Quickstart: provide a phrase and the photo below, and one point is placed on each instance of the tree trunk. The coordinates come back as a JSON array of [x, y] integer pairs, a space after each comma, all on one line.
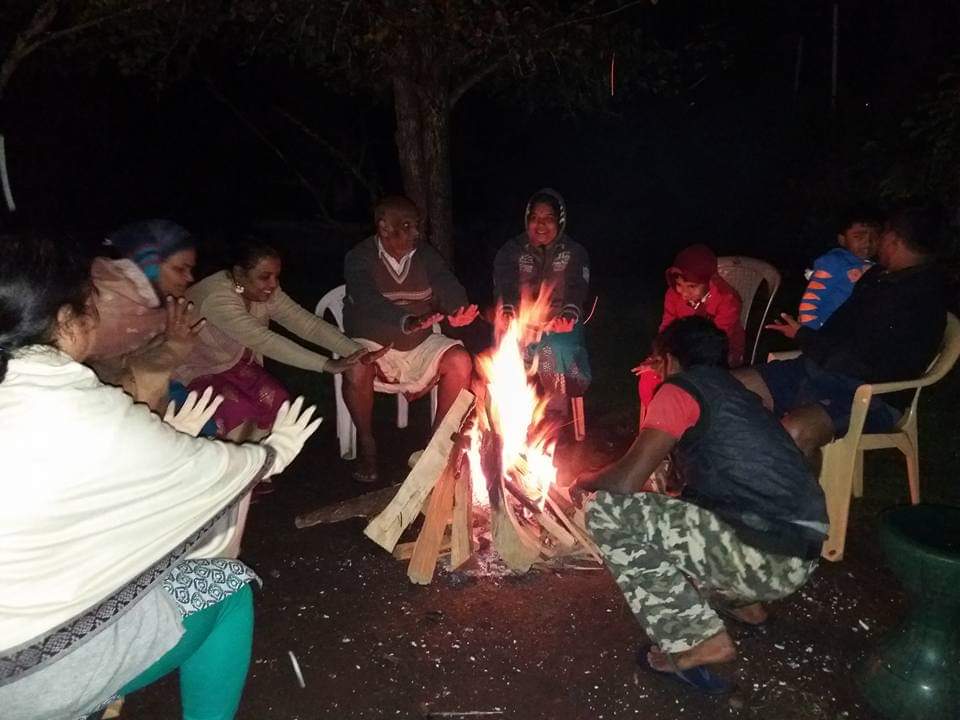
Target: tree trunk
[[422, 107]]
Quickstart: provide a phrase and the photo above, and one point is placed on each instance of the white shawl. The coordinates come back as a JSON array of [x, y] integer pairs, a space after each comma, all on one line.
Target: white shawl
[[94, 491]]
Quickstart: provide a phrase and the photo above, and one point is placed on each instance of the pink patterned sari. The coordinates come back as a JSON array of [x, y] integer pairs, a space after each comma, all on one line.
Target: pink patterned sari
[[249, 392]]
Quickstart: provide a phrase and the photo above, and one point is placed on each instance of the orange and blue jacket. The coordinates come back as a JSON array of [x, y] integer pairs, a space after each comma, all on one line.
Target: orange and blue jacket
[[830, 284]]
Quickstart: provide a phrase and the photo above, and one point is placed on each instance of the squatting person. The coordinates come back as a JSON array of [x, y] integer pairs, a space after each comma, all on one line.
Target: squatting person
[[746, 529]]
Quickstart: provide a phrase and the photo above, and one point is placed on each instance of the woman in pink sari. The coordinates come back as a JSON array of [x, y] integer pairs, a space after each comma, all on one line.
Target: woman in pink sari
[[238, 305]]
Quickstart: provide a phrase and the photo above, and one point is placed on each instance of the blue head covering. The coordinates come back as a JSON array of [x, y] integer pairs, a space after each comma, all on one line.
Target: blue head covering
[[149, 242]]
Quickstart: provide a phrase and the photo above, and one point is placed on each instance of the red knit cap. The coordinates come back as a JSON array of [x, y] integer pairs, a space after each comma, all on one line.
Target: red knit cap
[[696, 263]]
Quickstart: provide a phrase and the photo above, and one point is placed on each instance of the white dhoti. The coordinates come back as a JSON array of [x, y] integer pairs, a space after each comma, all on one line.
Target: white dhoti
[[410, 371]]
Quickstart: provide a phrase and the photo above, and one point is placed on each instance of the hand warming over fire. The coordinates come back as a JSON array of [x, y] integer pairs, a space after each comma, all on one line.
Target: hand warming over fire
[[652, 364], [413, 323], [788, 325], [561, 324], [463, 316], [581, 487]]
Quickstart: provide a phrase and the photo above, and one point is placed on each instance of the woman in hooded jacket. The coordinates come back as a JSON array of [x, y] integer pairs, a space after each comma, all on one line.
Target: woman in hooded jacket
[[544, 265]]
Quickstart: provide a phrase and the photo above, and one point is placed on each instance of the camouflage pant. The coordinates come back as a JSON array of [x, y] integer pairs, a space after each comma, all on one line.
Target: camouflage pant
[[668, 555]]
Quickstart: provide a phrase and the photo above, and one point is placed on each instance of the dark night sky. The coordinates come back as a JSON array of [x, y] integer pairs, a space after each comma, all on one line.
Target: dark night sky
[[734, 162]]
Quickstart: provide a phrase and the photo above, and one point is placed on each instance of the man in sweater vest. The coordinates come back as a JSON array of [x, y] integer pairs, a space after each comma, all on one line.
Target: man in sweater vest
[[747, 527], [397, 290]]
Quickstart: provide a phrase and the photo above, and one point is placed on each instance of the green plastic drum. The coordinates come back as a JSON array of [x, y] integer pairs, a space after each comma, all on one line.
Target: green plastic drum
[[914, 672]]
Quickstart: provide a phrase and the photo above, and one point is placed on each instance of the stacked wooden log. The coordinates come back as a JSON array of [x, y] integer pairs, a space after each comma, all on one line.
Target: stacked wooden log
[[523, 531]]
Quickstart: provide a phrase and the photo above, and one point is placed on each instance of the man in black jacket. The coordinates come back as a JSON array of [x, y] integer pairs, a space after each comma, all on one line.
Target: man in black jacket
[[889, 329], [747, 527]]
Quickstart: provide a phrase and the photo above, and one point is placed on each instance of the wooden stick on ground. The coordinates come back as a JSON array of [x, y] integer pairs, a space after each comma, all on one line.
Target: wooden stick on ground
[[427, 549], [386, 528], [362, 506]]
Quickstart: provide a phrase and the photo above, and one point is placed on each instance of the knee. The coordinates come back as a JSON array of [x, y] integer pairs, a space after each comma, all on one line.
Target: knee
[[457, 362], [360, 375], [805, 436]]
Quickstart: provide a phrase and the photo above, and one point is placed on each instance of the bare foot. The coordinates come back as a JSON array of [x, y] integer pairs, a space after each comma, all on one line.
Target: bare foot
[[754, 614], [717, 649], [366, 462]]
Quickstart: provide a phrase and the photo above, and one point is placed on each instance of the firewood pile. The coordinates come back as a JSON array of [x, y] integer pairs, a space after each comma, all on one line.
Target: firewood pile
[[525, 527]]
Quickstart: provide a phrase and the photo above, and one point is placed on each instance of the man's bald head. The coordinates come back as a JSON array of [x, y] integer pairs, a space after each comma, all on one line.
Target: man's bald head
[[396, 204]]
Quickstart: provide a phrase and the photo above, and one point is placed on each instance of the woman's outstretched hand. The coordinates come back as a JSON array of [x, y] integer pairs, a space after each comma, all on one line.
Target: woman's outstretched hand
[[361, 357], [291, 429], [195, 412], [182, 327], [561, 324]]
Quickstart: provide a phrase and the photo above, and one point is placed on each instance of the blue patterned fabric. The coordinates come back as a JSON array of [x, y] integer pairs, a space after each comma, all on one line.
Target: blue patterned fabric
[[197, 584]]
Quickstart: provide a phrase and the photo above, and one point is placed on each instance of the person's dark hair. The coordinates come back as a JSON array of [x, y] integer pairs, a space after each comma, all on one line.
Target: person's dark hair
[[37, 278], [863, 214], [693, 341], [250, 250], [921, 228]]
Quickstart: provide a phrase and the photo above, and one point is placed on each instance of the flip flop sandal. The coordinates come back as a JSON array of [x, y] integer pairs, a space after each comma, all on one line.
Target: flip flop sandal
[[699, 678], [727, 612]]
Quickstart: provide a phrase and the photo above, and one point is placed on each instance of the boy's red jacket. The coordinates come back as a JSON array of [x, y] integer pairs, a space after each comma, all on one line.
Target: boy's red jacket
[[721, 305]]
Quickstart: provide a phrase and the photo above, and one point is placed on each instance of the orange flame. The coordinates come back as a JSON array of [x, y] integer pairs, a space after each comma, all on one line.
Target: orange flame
[[516, 406]]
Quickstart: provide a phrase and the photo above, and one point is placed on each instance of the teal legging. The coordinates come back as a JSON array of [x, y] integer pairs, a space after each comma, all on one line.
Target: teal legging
[[213, 657]]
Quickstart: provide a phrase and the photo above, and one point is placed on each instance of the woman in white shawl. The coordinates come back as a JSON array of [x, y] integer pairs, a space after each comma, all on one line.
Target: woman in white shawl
[[110, 516]]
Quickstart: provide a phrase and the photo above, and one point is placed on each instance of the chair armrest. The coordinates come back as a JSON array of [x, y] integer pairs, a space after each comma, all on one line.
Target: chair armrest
[[890, 387], [863, 396], [783, 355]]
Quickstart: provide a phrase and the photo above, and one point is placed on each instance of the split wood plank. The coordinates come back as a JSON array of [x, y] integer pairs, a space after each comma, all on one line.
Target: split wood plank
[[462, 533], [386, 528], [517, 544], [576, 530], [439, 515], [404, 550]]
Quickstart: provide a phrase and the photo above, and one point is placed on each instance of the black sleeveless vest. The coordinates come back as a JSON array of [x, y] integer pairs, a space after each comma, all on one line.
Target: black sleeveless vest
[[738, 462]]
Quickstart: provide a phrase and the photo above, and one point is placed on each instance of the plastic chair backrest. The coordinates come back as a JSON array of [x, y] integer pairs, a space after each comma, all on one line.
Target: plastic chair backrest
[[332, 302], [745, 275], [941, 365]]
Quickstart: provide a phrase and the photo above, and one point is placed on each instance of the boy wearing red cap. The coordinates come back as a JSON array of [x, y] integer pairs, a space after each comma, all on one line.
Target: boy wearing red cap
[[695, 288]]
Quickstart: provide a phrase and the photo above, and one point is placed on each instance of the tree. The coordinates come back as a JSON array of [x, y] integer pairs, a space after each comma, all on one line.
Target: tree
[[50, 21], [423, 55]]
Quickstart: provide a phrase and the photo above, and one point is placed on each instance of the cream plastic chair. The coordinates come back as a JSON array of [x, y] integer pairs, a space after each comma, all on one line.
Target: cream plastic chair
[[332, 302], [745, 276], [841, 474]]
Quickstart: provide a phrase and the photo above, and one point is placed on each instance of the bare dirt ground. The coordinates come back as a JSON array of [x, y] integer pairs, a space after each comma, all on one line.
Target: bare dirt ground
[[552, 644]]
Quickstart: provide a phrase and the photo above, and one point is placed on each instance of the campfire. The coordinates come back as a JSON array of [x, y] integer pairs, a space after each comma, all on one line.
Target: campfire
[[490, 467]]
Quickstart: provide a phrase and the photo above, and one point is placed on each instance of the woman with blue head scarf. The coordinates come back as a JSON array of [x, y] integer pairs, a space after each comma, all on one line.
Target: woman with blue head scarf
[[145, 324]]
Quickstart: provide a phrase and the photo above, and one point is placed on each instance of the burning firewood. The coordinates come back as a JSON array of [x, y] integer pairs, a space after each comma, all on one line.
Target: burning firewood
[[495, 451]]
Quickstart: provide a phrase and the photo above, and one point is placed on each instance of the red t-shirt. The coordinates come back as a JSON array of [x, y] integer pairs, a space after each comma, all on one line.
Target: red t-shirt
[[672, 410]]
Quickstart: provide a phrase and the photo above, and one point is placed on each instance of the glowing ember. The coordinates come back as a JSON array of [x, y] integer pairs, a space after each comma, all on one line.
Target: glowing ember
[[515, 409]]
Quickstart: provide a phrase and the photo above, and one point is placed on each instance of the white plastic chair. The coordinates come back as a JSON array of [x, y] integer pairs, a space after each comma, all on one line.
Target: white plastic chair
[[745, 276], [332, 302], [841, 473]]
